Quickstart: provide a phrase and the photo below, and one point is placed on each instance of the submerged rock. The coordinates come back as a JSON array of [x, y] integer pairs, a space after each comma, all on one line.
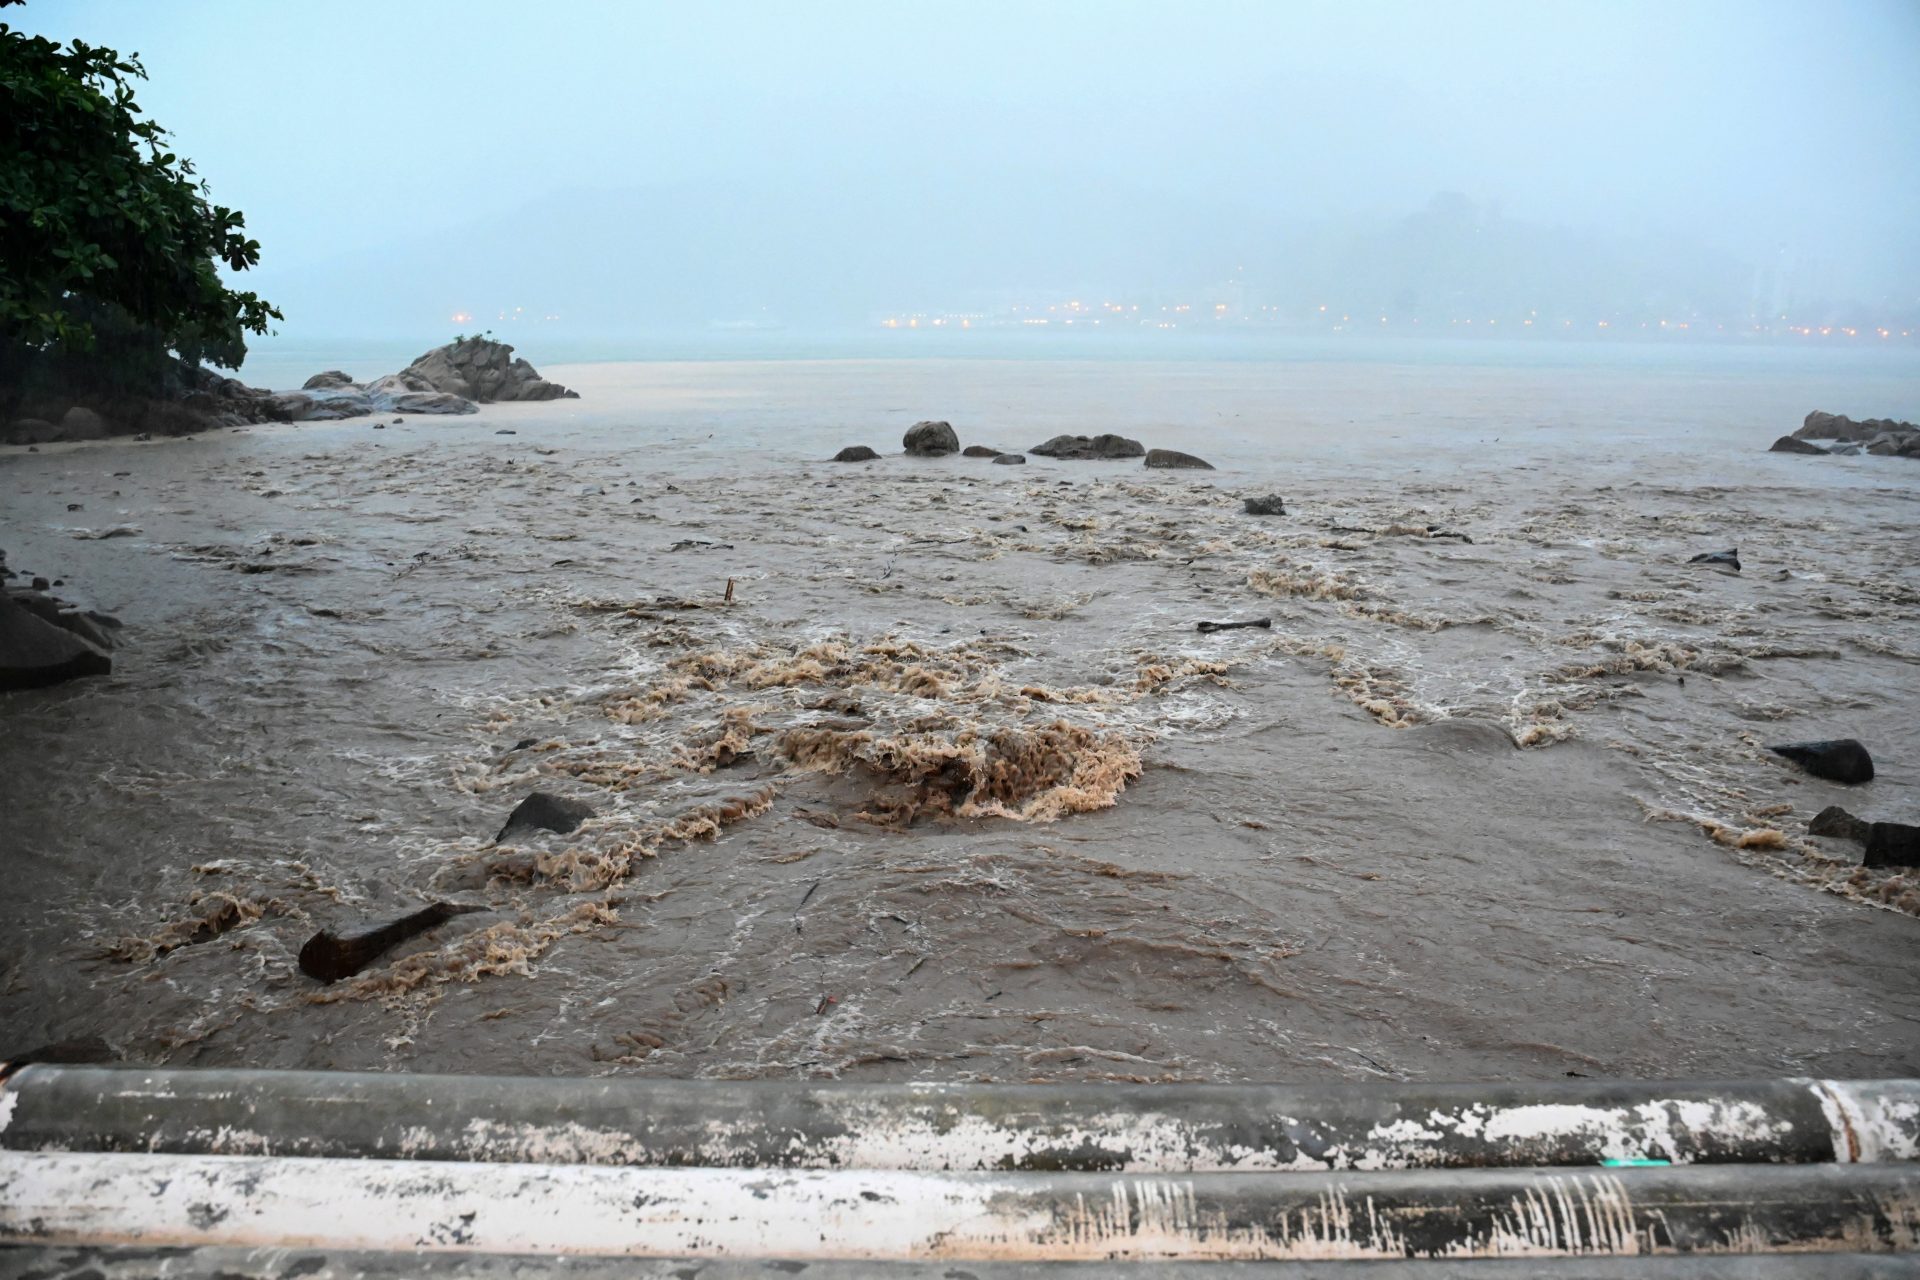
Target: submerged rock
[[1173, 459], [1794, 444], [1730, 558], [980, 451], [855, 453], [931, 440], [1081, 448], [544, 811], [1835, 759], [1010, 459], [1271, 505]]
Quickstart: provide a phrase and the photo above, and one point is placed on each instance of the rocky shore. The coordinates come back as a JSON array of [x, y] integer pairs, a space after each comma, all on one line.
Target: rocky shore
[[1880, 436], [451, 379]]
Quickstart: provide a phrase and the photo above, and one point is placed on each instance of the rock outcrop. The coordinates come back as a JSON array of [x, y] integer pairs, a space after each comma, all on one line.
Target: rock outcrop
[[189, 399], [1882, 436], [1080, 448], [482, 370], [1174, 460], [931, 440]]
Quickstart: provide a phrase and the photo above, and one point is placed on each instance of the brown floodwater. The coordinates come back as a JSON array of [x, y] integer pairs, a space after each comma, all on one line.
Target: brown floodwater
[[953, 788]]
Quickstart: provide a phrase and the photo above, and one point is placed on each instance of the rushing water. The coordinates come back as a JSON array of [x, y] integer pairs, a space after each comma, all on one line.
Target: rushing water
[[953, 788]]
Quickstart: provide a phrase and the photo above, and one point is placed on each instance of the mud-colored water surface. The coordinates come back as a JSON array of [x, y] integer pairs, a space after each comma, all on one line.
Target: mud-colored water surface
[[952, 788]]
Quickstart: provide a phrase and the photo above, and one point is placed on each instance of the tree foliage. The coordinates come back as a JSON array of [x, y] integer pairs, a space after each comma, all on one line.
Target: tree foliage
[[108, 243]]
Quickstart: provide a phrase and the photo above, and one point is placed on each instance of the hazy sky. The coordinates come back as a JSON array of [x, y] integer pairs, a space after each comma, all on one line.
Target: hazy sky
[[360, 127]]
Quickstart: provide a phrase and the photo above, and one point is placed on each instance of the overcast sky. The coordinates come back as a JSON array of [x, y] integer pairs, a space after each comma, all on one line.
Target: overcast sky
[[362, 126]]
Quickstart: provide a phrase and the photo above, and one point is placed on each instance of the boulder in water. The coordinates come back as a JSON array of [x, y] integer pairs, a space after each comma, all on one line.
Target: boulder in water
[[980, 451], [1794, 444], [328, 381], [1173, 459], [931, 440], [1838, 823], [544, 811], [1892, 844], [483, 370], [855, 453], [1081, 448], [1835, 759], [1271, 505], [35, 653], [1010, 459]]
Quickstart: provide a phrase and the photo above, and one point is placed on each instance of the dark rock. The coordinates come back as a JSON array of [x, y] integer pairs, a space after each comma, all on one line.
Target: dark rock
[[1892, 844], [330, 379], [506, 431], [544, 811], [1173, 459], [855, 453], [1010, 459], [35, 653], [482, 370], [1836, 759], [981, 451], [32, 431], [1794, 444], [1267, 506], [1264, 624], [1080, 448], [1837, 822], [80, 423], [1837, 426], [1729, 558], [931, 440]]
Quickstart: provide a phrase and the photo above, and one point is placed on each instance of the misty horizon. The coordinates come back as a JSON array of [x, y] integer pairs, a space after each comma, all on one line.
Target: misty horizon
[[602, 171]]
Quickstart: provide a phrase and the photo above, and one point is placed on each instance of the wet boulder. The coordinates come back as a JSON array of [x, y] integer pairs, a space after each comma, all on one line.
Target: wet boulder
[[35, 653], [1010, 459], [931, 440], [855, 453], [544, 811], [1271, 505], [1083, 448], [1835, 759], [1837, 823], [1173, 459], [980, 451], [1794, 444], [1892, 844]]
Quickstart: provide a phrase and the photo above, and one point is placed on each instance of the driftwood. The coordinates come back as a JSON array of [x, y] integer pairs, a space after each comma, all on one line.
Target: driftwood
[[330, 957], [1263, 623]]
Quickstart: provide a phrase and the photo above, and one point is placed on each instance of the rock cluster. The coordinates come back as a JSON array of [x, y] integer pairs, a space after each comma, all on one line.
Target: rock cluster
[[44, 640], [456, 378], [193, 399], [938, 439], [1882, 436]]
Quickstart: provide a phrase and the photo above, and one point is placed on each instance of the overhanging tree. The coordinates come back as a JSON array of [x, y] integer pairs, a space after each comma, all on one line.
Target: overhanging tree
[[110, 248]]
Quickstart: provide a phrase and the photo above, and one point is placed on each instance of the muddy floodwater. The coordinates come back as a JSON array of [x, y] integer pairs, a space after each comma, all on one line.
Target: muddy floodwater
[[952, 788]]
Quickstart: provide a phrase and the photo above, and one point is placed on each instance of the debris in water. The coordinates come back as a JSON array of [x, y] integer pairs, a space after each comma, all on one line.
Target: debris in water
[[330, 957], [1263, 623]]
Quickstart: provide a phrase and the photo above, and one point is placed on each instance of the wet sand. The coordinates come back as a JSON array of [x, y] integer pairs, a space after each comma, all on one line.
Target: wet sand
[[953, 789]]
